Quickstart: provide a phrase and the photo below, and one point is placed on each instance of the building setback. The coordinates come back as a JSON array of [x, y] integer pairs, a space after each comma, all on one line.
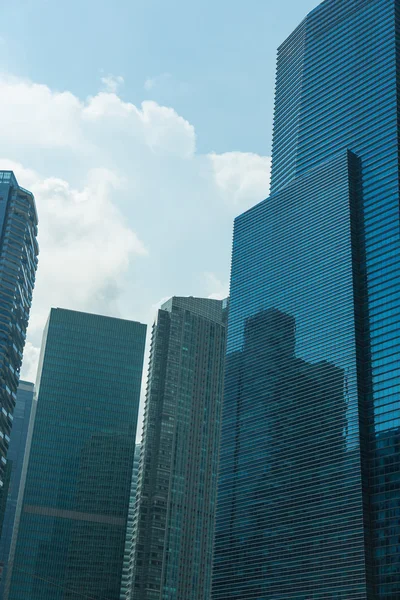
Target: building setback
[[309, 484], [15, 459], [69, 536], [175, 506], [18, 263]]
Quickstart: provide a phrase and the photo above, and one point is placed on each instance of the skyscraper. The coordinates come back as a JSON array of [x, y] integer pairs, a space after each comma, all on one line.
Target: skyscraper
[[18, 262], [309, 486], [70, 534], [15, 459], [125, 581], [176, 497]]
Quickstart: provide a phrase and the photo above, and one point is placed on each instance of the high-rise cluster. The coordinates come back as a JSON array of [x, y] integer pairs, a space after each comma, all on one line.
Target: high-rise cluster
[[79, 526], [278, 425]]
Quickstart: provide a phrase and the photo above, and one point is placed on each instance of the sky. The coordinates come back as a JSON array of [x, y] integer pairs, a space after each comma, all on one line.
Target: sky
[[143, 129]]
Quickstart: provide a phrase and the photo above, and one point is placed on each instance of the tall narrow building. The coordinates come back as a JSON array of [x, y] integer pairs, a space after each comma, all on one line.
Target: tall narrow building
[[176, 497], [309, 484], [69, 536], [15, 459], [18, 263]]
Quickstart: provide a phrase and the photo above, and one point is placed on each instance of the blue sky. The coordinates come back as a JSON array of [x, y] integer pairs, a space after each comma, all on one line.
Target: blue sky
[[213, 60], [143, 129]]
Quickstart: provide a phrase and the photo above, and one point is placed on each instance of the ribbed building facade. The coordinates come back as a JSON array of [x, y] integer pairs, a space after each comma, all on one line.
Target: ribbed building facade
[[309, 485], [125, 581], [18, 263], [176, 496], [69, 537]]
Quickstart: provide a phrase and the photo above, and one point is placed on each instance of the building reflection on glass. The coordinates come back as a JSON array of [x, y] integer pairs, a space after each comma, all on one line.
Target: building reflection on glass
[[73, 502], [95, 528], [292, 470], [102, 500]]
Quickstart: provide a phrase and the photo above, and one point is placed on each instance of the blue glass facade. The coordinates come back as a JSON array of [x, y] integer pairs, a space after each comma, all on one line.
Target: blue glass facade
[[15, 459], [309, 501], [290, 506], [18, 263], [69, 536]]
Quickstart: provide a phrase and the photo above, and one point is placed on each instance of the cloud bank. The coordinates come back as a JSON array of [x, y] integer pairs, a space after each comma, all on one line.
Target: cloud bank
[[129, 212]]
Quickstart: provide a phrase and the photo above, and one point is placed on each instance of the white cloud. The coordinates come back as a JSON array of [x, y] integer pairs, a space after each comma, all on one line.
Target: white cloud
[[33, 115], [241, 176], [129, 212], [112, 83], [85, 244], [31, 358]]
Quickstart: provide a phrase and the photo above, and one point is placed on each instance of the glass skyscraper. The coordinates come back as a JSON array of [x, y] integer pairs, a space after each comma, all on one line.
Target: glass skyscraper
[[176, 495], [15, 459], [309, 486], [18, 263], [69, 536]]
